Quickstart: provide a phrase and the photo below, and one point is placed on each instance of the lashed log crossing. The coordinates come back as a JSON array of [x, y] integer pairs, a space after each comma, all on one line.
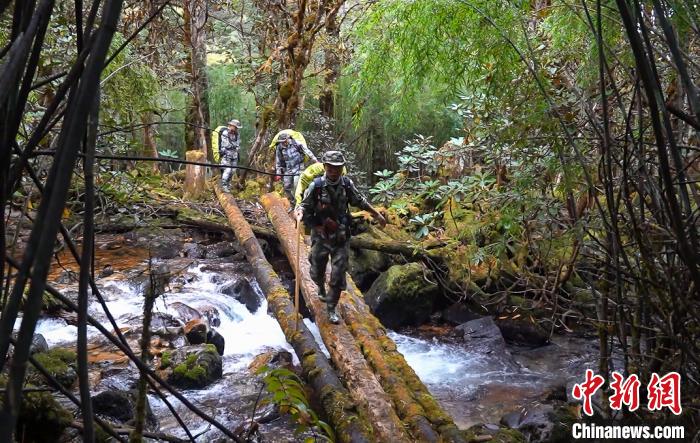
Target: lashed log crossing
[[345, 352], [417, 409], [333, 397]]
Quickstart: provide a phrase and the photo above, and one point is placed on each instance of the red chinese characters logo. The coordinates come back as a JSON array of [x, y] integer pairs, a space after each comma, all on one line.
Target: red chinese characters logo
[[663, 392], [626, 392], [587, 389]]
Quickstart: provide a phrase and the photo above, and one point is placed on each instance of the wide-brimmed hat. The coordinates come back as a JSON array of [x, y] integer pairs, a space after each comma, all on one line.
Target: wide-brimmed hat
[[235, 123], [334, 158]]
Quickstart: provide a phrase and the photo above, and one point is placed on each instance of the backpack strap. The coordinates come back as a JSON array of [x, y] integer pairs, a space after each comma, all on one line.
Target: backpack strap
[[318, 186]]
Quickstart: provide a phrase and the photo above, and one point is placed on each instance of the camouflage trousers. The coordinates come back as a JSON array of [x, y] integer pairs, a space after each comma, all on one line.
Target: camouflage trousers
[[321, 249], [290, 185], [227, 173]]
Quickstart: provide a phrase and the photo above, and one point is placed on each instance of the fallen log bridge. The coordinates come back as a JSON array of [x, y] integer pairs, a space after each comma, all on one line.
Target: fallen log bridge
[[361, 333], [330, 393]]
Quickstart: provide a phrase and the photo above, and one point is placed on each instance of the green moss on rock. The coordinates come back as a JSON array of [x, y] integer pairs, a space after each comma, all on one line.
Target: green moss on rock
[[402, 296], [59, 362], [42, 418], [194, 367]]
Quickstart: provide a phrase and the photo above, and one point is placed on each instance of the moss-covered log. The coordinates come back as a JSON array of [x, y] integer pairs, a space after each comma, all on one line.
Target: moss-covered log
[[417, 409], [331, 395], [345, 351], [407, 249], [402, 382]]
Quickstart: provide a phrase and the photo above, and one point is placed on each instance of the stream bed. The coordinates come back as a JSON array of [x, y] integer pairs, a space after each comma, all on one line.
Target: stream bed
[[472, 387]]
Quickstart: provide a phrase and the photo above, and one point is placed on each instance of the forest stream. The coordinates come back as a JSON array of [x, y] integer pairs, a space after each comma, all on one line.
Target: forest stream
[[473, 385]]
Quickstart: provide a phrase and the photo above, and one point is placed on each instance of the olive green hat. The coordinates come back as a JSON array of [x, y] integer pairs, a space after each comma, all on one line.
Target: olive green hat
[[334, 158]]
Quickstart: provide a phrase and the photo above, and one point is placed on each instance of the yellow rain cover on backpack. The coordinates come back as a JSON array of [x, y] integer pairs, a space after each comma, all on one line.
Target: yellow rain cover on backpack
[[215, 138], [296, 135]]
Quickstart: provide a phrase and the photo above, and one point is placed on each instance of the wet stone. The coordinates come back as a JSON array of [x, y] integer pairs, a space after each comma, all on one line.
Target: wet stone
[[458, 313], [192, 367], [483, 335], [217, 340], [185, 312], [194, 250], [222, 249], [120, 406], [243, 291], [39, 344], [196, 331]]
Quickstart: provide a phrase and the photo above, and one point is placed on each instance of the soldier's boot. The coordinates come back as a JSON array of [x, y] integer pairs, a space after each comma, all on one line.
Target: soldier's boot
[[322, 292], [333, 316], [333, 297]]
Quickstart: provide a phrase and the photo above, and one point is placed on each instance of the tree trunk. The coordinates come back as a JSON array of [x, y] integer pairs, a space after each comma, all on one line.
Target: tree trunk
[[194, 174], [331, 62], [155, 35], [195, 16], [328, 389], [345, 352], [149, 142], [417, 409]]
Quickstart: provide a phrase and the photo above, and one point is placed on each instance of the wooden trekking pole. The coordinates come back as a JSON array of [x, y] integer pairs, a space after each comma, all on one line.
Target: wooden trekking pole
[[297, 281]]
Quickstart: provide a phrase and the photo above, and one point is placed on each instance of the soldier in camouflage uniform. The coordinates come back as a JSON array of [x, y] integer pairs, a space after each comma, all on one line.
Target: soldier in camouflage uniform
[[229, 145], [289, 160], [325, 210]]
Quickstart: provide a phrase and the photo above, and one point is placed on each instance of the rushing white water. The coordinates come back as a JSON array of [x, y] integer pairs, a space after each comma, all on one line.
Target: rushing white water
[[246, 334], [472, 386]]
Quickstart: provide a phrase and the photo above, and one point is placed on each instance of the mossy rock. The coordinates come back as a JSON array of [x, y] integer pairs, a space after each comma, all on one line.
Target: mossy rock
[[402, 296], [366, 265], [41, 418], [59, 362], [194, 367]]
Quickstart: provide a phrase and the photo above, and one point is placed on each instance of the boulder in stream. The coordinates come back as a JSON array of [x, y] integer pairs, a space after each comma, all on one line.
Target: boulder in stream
[[120, 406], [194, 250], [223, 249], [402, 296], [192, 367], [217, 340], [39, 344], [243, 291], [162, 243], [59, 362], [458, 313], [522, 331], [483, 335], [196, 331]]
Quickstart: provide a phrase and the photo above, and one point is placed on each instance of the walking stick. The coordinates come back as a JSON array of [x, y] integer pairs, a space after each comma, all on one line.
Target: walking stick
[[297, 282]]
